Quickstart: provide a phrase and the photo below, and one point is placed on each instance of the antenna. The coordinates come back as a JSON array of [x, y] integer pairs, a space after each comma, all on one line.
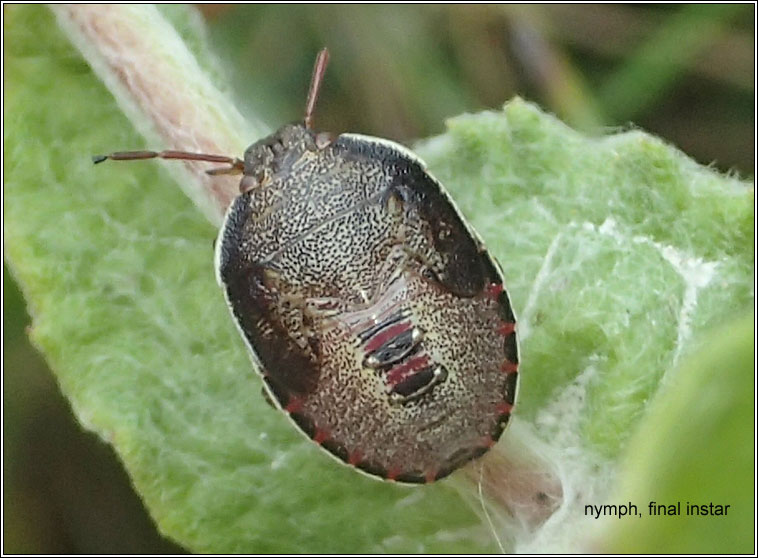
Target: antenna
[[236, 165], [319, 69]]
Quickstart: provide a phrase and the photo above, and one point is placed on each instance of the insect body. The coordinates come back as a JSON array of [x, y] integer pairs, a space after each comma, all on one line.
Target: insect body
[[377, 318]]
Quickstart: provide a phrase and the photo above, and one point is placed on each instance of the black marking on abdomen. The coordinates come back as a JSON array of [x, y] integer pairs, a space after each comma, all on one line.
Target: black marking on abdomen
[[394, 349], [415, 382], [373, 330]]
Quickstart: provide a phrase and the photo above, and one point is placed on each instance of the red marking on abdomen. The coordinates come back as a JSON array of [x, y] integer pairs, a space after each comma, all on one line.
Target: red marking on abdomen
[[488, 441], [386, 334], [503, 408], [509, 367], [393, 473], [355, 457], [321, 435], [398, 373], [505, 329], [430, 476], [493, 290], [294, 405]]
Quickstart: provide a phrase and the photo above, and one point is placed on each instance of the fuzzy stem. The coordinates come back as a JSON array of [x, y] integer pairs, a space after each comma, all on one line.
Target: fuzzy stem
[[165, 93], [515, 486]]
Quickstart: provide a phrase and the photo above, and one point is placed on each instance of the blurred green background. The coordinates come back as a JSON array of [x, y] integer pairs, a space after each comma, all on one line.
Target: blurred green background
[[685, 73]]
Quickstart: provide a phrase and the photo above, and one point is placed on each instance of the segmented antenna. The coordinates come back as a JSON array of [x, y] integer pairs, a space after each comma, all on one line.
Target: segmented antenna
[[236, 166], [319, 69]]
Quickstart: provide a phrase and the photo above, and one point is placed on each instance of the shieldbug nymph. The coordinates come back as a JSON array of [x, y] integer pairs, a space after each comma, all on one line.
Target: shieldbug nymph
[[378, 320]]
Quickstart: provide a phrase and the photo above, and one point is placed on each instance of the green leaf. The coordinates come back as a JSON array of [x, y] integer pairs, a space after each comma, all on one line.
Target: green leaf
[[695, 447], [619, 253]]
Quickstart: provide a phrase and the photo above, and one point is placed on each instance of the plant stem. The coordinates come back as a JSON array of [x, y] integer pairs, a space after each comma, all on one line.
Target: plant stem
[[514, 486], [164, 92]]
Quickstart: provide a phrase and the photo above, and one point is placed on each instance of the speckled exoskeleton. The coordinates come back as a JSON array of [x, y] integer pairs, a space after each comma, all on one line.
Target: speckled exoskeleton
[[376, 316]]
